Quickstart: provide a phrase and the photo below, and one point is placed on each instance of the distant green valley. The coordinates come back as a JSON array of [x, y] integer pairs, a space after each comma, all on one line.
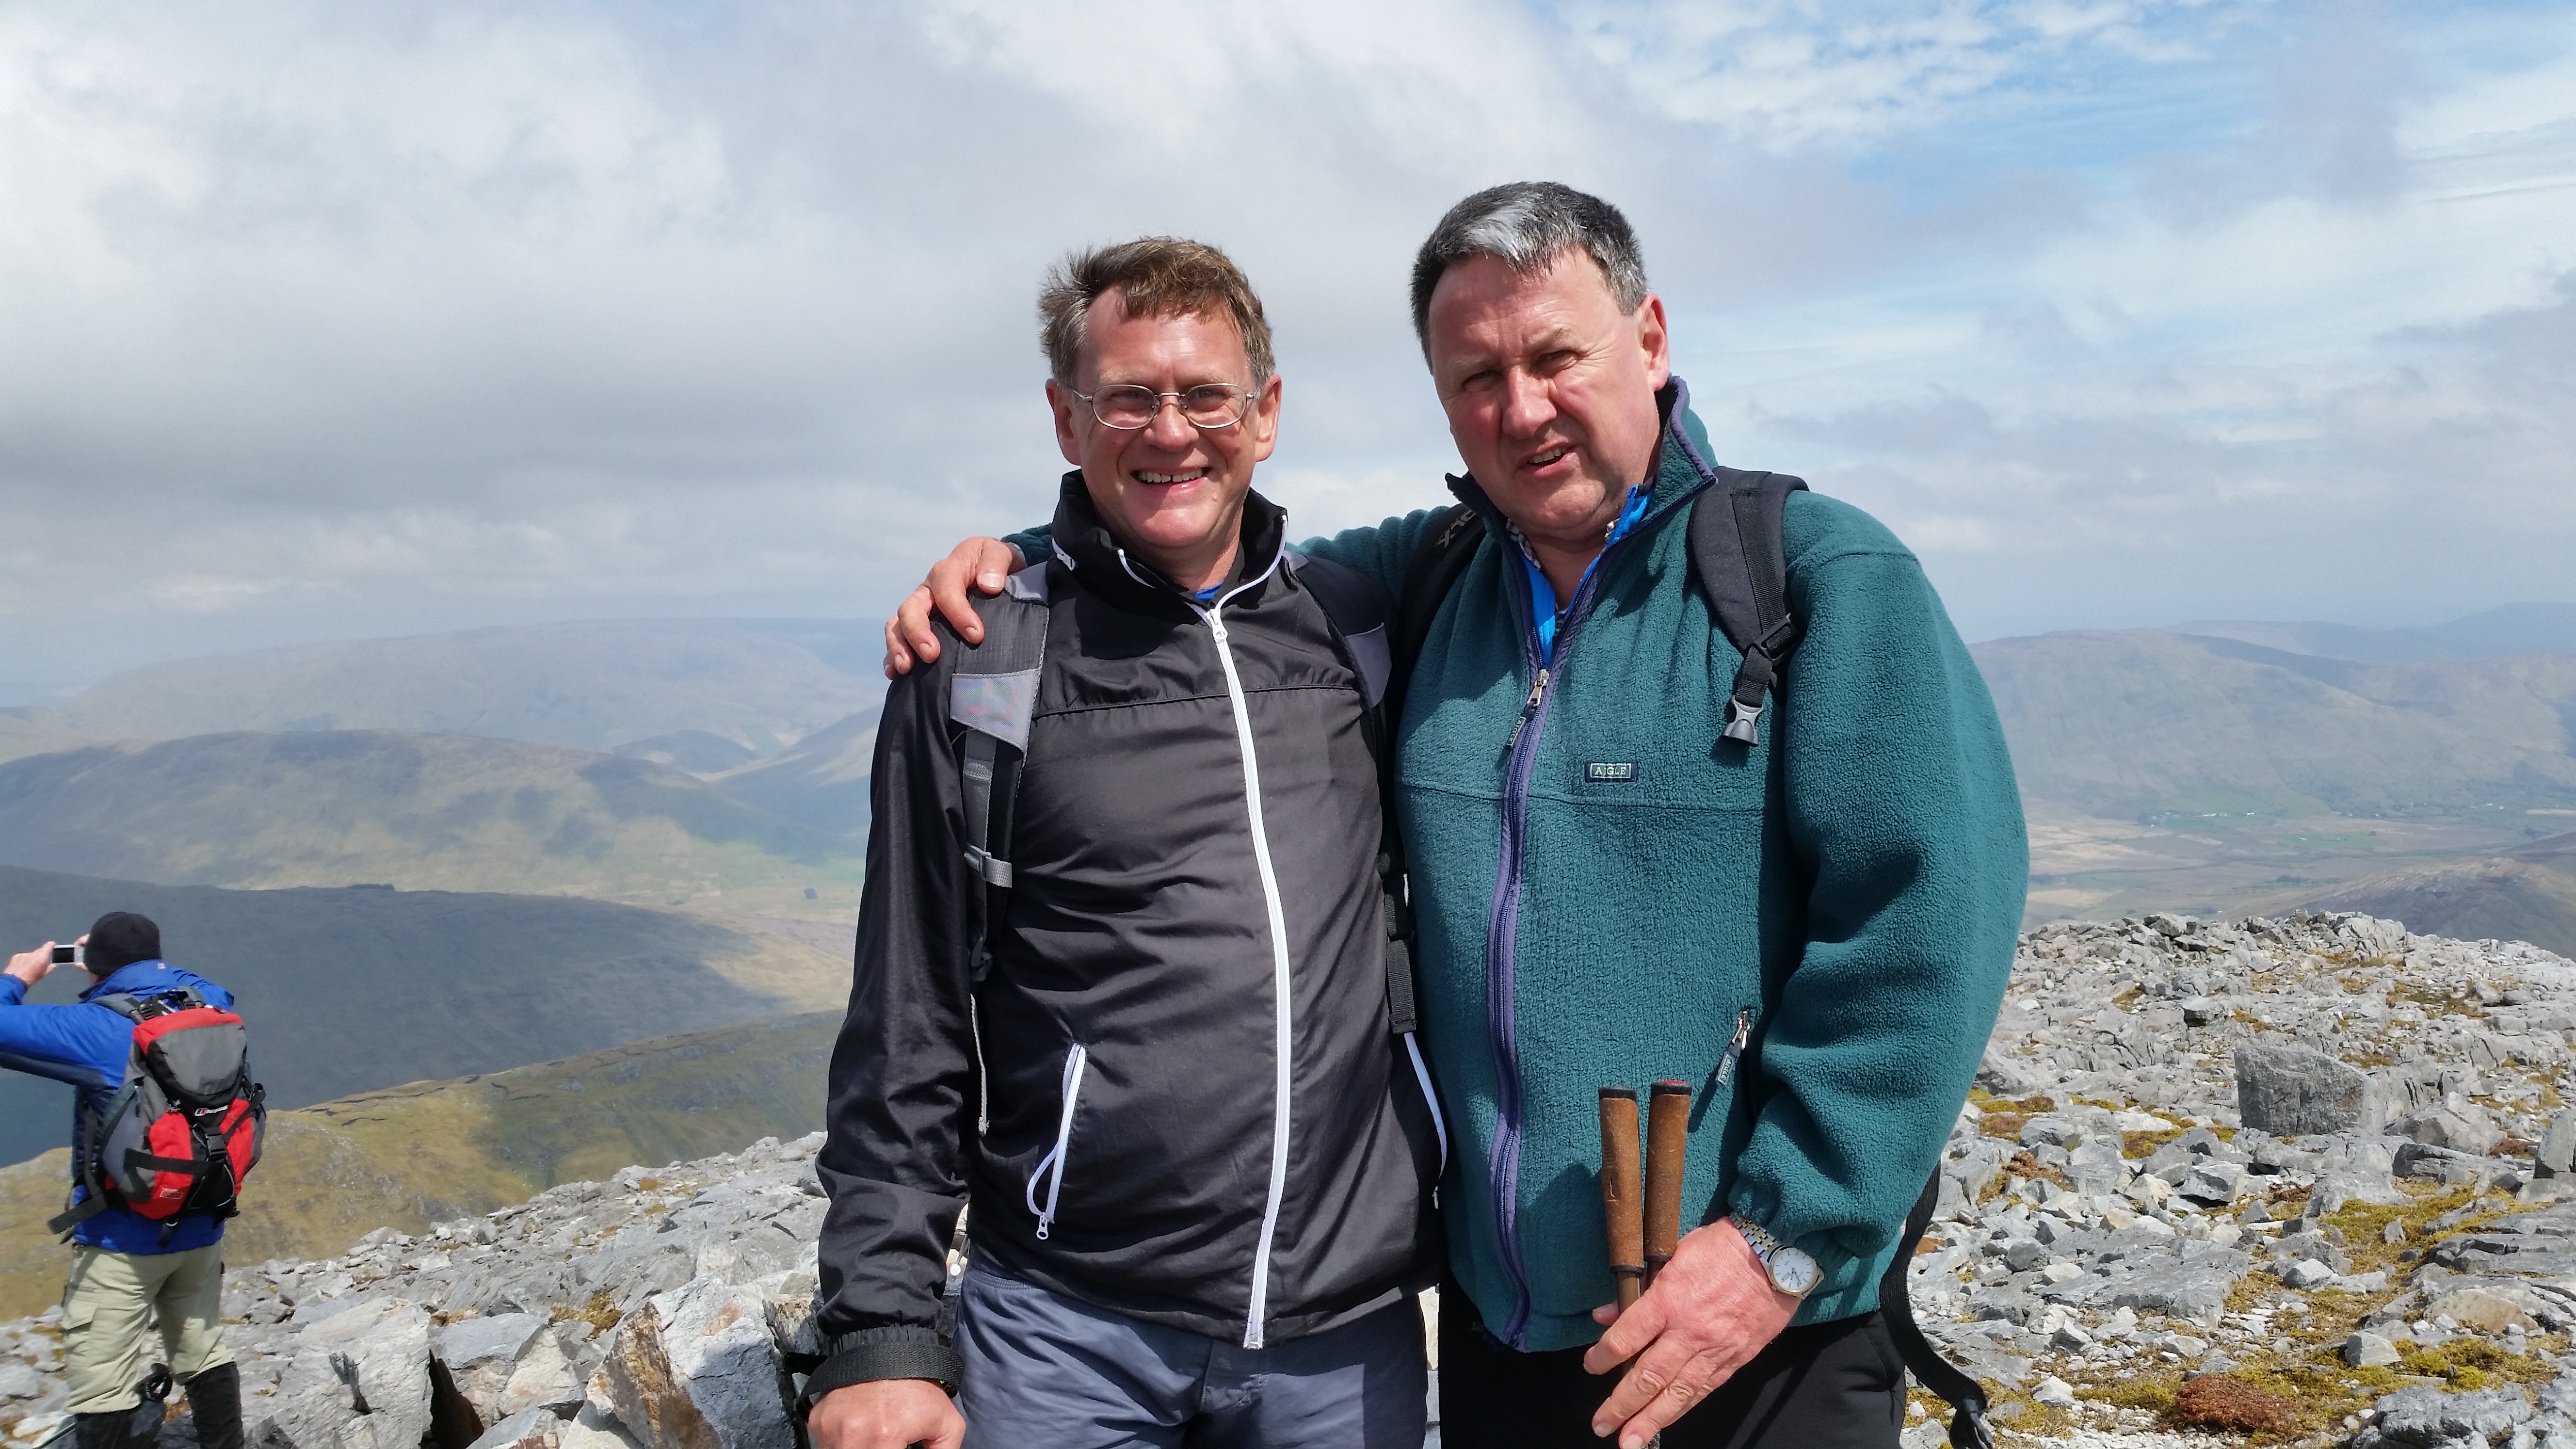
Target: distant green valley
[[354, 989]]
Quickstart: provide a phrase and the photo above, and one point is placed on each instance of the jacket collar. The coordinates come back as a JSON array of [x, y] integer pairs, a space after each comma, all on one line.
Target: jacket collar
[[1678, 471], [1084, 544], [134, 976]]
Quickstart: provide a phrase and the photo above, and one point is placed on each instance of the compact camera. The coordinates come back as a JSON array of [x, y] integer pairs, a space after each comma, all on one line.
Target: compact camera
[[68, 956]]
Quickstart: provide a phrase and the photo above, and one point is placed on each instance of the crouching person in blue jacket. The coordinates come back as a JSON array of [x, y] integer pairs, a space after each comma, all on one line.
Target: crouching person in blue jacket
[[127, 1270]]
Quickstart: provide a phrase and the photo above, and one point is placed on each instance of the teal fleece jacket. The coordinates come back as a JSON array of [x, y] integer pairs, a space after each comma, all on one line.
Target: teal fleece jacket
[[1847, 893]]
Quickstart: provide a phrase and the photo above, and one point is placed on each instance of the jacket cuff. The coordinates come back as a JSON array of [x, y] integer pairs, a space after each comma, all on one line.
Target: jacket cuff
[[899, 1351]]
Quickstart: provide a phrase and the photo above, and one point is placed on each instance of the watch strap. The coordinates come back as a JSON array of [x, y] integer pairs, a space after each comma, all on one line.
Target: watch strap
[[1767, 1248]]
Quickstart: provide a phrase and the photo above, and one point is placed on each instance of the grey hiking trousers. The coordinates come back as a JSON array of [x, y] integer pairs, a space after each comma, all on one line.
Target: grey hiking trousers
[[1042, 1368]]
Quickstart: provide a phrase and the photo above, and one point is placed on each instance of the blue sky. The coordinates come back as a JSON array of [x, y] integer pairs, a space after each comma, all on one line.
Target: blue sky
[[325, 322]]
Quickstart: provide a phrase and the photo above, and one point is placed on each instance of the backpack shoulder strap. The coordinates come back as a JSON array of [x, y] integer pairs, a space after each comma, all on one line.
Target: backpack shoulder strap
[[124, 1003], [1357, 608], [1742, 565], [140, 1009], [1968, 1427], [993, 695]]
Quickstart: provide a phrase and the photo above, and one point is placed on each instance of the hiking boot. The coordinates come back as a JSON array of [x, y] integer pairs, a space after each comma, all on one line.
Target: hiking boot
[[214, 1403]]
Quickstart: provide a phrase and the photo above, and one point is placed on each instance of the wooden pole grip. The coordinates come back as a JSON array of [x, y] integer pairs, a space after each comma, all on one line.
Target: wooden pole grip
[[1623, 1204], [1667, 1142]]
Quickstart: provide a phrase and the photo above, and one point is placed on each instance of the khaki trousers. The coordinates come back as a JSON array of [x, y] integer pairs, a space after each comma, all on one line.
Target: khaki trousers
[[113, 1300]]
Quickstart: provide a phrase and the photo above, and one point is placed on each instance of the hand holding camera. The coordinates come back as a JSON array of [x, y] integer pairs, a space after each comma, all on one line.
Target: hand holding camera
[[33, 966]]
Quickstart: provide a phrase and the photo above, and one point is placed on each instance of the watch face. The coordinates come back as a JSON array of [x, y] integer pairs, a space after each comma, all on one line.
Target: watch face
[[1793, 1272]]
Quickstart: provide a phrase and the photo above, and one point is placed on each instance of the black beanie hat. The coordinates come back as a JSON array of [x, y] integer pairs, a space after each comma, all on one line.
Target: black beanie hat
[[119, 939]]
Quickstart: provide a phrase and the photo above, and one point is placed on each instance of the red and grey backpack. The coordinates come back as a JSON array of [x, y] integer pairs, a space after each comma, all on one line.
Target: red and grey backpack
[[178, 1135]]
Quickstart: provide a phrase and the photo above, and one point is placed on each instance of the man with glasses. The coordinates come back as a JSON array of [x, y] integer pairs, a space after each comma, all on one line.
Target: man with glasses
[[1807, 915], [1199, 1161]]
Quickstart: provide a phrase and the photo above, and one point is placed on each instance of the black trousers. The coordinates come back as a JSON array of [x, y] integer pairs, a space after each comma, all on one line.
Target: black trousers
[[1836, 1385]]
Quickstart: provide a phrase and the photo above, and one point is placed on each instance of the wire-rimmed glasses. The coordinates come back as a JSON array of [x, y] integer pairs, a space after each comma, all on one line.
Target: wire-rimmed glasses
[[1210, 405]]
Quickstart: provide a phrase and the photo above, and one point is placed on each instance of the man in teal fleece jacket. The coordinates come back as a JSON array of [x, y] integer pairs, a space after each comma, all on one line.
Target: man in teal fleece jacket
[[1813, 931]]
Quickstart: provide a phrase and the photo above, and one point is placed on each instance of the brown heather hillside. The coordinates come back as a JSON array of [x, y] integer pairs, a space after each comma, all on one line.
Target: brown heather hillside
[[408, 1156]]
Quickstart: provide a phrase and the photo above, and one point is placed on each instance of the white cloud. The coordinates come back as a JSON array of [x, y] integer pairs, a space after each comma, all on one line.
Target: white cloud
[[325, 320]]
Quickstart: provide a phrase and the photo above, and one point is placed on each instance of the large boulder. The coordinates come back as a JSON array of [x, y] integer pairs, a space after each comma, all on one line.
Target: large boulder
[[2291, 1091], [2556, 1156], [533, 1429], [551, 1374], [695, 1368], [2093, 1168], [480, 1354], [2427, 1418], [2461, 1126], [2195, 1294], [359, 1380]]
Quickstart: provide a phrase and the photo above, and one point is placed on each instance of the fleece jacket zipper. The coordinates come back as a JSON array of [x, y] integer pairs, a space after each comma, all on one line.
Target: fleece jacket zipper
[[1502, 923], [1502, 928]]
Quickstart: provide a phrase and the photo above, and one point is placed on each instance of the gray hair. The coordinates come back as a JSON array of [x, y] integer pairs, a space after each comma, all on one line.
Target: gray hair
[[1527, 225]]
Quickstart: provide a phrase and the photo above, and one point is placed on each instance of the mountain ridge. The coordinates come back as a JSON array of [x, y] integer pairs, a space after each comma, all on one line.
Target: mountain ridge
[[589, 684], [420, 811]]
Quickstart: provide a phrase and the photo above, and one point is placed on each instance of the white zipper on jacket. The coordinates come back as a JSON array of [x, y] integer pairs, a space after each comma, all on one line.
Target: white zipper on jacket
[[983, 1079], [1280, 978], [1074, 1061], [1430, 1099]]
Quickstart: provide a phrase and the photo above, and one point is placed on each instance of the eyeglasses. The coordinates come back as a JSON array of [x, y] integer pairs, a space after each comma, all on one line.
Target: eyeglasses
[[1209, 405]]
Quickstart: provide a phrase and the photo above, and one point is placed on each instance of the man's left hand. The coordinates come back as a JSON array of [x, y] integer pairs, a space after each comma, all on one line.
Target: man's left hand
[[1711, 1310]]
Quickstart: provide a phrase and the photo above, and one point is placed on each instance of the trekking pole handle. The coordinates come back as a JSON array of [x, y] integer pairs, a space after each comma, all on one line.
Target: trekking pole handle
[[1622, 1193], [1667, 1143]]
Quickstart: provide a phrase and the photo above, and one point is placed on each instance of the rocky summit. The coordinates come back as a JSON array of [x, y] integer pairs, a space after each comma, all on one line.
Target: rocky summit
[[2298, 1180]]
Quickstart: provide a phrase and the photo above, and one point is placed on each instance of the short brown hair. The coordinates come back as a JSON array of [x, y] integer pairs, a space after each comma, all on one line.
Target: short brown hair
[[1158, 276]]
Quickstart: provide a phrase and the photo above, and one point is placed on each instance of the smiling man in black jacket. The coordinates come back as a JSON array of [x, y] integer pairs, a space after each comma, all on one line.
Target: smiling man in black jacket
[[1199, 1163]]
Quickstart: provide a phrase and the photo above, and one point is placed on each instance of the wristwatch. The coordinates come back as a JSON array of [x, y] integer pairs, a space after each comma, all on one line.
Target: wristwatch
[[1791, 1270]]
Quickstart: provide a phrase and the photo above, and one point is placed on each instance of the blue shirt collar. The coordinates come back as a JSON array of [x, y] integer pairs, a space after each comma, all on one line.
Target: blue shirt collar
[[1544, 607]]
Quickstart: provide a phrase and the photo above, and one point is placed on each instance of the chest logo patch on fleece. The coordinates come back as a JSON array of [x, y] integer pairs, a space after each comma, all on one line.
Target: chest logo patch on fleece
[[1610, 772]]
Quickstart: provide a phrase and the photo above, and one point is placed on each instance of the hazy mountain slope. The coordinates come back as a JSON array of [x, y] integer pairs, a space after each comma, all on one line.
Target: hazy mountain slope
[[416, 811], [695, 751], [413, 1155], [21, 735], [588, 685], [2135, 722], [821, 783], [2528, 894], [2512, 629], [351, 990]]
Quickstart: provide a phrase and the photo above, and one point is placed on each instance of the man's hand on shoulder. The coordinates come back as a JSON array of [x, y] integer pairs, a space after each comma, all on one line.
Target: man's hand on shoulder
[[33, 966], [886, 1414], [1711, 1310], [986, 561]]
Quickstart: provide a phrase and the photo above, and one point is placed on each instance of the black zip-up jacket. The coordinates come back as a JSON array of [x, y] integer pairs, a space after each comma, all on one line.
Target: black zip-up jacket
[[1197, 1115]]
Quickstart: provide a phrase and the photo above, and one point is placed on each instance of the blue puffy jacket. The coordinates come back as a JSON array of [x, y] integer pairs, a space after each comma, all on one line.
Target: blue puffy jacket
[[88, 1045]]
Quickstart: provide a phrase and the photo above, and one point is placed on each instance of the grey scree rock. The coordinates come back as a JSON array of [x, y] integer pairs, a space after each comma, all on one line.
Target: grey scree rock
[[656, 1310], [2557, 1154], [482, 1353], [2291, 1091]]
